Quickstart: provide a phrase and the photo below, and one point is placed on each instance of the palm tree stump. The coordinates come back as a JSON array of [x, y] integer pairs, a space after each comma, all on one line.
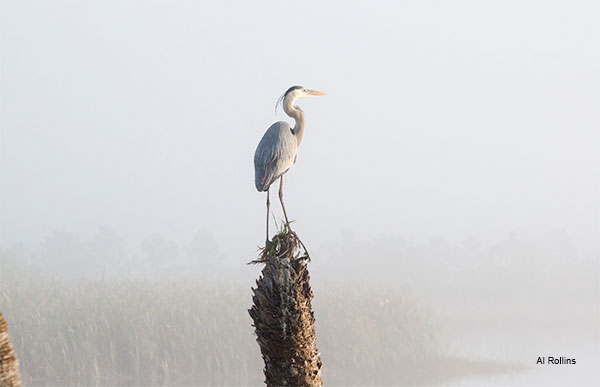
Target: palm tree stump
[[9, 364], [283, 317]]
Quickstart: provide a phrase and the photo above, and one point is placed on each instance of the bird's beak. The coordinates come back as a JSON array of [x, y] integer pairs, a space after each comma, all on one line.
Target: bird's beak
[[314, 92]]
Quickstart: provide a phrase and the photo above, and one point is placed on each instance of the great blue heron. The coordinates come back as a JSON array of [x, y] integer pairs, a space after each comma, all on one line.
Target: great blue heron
[[277, 150]]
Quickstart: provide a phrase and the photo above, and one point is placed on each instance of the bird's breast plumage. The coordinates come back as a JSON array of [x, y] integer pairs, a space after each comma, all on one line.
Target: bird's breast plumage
[[275, 154]]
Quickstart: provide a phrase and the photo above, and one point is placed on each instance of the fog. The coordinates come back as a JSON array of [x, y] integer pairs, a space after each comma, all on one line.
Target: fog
[[456, 151]]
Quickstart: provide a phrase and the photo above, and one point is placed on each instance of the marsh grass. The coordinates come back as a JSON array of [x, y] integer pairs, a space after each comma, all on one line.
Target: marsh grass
[[132, 333], [143, 332]]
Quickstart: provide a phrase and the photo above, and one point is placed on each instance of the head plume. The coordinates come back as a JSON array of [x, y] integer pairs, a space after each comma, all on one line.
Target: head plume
[[282, 97]]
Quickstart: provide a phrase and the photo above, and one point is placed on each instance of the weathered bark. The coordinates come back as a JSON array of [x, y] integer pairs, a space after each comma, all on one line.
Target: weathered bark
[[283, 317], [9, 364]]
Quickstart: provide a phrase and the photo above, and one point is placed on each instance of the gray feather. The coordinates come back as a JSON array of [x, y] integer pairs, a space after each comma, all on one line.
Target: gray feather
[[275, 154]]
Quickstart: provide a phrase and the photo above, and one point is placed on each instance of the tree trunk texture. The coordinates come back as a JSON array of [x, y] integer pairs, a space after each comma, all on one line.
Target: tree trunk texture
[[9, 364], [283, 316]]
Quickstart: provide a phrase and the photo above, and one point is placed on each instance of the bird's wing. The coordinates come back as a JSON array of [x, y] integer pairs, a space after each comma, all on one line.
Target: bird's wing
[[275, 154]]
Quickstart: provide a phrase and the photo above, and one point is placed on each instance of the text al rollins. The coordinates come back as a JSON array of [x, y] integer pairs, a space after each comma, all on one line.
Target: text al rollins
[[554, 360]]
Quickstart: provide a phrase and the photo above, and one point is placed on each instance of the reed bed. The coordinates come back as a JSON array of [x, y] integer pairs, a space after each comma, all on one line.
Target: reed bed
[[143, 332]]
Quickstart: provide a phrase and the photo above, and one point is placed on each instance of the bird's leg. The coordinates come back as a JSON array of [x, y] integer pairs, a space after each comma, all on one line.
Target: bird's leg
[[268, 205], [282, 205]]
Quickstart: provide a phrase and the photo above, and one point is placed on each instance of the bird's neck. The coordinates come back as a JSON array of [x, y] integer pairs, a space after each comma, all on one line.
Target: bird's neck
[[297, 114]]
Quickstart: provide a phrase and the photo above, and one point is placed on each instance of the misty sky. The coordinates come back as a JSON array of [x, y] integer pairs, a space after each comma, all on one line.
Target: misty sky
[[451, 120]]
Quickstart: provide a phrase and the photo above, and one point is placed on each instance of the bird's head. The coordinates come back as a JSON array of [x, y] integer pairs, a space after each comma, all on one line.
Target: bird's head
[[294, 93]]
